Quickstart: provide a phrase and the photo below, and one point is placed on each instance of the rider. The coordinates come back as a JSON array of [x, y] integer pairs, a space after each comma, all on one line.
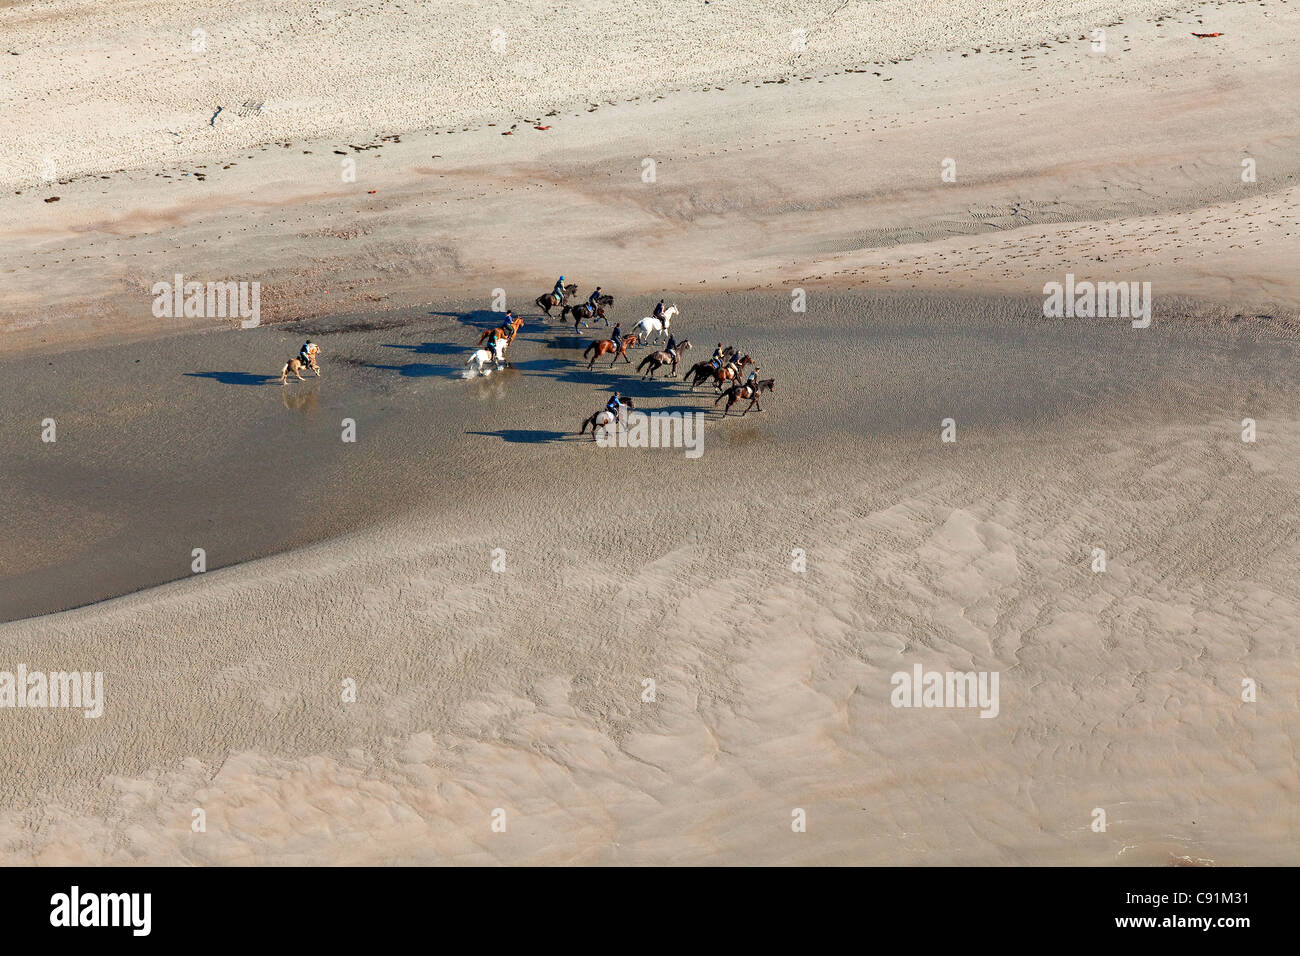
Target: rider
[[617, 336], [614, 404], [558, 291], [672, 343], [304, 353], [659, 310], [716, 361], [753, 374], [592, 301]]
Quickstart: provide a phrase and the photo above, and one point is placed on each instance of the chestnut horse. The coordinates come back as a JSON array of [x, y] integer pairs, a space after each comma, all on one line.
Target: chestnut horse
[[605, 346], [505, 331]]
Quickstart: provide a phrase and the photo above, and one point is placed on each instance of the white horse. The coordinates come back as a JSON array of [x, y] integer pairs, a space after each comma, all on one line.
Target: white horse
[[650, 324], [480, 357]]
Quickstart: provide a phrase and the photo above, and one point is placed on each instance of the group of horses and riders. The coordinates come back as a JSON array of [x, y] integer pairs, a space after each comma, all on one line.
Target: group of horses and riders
[[734, 375]]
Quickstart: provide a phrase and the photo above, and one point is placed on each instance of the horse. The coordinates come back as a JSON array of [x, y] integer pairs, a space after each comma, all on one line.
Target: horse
[[703, 370], [602, 418], [508, 331], [296, 364], [658, 327], [583, 311], [731, 371], [605, 346], [751, 392], [657, 360], [480, 357], [548, 301]]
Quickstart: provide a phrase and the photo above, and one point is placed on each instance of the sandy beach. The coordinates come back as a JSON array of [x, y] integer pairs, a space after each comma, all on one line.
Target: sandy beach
[[641, 657]]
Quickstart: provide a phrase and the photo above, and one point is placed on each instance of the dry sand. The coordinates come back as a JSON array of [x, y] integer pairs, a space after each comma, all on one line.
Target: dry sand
[[522, 690]]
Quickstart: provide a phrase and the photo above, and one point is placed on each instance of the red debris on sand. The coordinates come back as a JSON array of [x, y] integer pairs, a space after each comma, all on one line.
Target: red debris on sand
[[508, 133], [372, 191], [1203, 35], [541, 127]]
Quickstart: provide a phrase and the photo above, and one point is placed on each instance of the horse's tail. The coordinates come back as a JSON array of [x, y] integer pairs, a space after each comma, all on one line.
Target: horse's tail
[[585, 422], [593, 345]]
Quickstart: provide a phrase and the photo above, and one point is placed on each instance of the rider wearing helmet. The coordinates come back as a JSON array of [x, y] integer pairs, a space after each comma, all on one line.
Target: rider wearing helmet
[[558, 291]]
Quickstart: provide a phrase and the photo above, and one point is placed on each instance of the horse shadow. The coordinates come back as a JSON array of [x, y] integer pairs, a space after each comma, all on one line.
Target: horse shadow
[[530, 436], [418, 369], [235, 378], [430, 348]]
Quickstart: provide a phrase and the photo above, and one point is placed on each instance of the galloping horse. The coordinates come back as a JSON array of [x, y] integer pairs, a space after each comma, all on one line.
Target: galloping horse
[[583, 311], [480, 357], [296, 364], [505, 331], [605, 346], [602, 418], [658, 327], [657, 360], [751, 392], [548, 301], [731, 371]]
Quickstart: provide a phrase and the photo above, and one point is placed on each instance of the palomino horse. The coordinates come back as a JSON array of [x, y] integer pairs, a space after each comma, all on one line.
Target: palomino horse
[[605, 346], [603, 418], [480, 357], [547, 302], [656, 327], [506, 331], [583, 311], [657, 360], [296, 365], [751, 392]]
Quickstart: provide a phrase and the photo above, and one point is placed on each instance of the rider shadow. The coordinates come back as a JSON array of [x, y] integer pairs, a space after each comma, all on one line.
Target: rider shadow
[[529, 436], [236, 378]]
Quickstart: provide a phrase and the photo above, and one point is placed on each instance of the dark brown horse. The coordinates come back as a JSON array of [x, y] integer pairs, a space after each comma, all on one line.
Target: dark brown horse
[[657, 360], [547, 302], [582, 311], [702, 370], [605, 346], [751, 392]]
